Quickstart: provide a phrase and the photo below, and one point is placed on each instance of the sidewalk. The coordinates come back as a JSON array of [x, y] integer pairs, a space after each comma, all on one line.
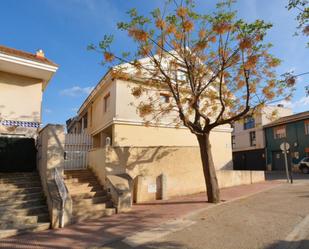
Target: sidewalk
[[142, 217]]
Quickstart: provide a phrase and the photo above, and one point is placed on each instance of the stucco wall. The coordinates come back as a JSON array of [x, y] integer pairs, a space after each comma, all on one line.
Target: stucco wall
[[126, 103], [20, 98], [97, 117], [181, 167], [139, 135]]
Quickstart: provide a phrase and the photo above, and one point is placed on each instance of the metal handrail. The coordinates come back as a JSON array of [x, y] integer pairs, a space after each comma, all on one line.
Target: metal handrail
[[63, 192]]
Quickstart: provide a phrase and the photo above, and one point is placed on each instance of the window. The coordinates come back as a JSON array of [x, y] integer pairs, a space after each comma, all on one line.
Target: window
[[106, 102], [307, 127], [279, 132], [233, 142], [164, 98], [252, 138], [249, 123]]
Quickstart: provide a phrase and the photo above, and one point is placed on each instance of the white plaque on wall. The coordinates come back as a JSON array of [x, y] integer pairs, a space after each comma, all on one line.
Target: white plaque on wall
[[152, 188]]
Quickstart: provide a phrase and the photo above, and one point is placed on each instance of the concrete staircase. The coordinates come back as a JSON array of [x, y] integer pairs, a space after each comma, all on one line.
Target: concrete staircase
[[22, 204], [90, 200]]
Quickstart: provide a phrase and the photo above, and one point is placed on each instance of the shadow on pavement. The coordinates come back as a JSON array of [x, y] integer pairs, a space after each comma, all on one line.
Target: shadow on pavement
[[281, 175], [153, 245], [302, 244]]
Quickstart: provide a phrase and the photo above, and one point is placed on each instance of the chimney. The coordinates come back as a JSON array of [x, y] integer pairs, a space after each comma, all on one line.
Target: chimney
[[40, 53]]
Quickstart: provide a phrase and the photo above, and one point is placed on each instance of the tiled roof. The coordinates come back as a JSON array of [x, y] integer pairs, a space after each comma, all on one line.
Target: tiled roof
[[25, 55], [289, 119]]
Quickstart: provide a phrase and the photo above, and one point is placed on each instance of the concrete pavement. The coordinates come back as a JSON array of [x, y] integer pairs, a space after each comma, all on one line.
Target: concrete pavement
[[94, 233], [275, 219]]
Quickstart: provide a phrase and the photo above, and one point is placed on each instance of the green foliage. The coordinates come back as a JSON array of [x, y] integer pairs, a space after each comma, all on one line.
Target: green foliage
[[303, 16]]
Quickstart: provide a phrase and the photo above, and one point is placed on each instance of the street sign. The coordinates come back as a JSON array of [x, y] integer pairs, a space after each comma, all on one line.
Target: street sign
[[284, 146]]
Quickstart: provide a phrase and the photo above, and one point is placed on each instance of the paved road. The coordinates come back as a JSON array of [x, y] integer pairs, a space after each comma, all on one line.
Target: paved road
[[269, 220]]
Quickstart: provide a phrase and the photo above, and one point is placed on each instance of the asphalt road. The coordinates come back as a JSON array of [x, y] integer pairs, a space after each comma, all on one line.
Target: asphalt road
[[275, 219]]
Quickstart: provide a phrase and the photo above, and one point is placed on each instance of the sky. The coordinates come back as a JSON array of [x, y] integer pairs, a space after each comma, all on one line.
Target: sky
[[64, 28]]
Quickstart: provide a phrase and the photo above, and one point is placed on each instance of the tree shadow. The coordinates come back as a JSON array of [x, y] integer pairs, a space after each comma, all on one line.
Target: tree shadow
[[151, 245], [128, 158], [88, 234], [281, 244], [281, 175]]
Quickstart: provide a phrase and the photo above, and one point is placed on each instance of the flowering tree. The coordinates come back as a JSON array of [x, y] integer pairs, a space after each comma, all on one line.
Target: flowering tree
[[214, 69]]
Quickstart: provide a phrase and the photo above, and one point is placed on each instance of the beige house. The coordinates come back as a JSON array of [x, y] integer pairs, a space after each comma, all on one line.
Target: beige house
[[248, 139], [161, 159], [23, 79]]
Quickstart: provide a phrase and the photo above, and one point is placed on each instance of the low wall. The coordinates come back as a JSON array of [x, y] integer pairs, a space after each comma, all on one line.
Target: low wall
[[50, 158], [180, 166]]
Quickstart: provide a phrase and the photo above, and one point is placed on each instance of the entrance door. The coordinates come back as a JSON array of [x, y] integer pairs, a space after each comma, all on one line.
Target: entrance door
[[17, 154], [278, 162]]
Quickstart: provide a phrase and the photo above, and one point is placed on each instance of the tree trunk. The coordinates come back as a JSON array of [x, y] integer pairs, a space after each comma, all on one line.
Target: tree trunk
[[213, 192]]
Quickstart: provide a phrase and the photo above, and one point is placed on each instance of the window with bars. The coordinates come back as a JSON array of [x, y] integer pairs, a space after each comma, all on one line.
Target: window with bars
[[307, 127], [279, 132], [252, 138], [106, 102], [233, 142], [249, 123]]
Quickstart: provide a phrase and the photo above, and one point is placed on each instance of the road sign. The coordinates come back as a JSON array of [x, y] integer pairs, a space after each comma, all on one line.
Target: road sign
[[284, 146]]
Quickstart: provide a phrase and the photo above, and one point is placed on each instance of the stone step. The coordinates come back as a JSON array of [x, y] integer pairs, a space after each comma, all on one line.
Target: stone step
[[81, 207], [77, 174], [6, 175], [82, 185], [5, 233], [88, 195], [23, 211], [21, 197], [11, 221], [93, 215], [19, 191], [80, 180], [23, 204], [24, 179], [84, 190], [90, 201], [5, 186]]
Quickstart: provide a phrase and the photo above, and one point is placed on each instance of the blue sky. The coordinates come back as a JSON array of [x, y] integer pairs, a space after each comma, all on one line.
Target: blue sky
[[63, 29]]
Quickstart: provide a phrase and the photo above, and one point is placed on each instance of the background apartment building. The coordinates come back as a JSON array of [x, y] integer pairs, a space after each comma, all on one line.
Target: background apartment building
[[248, 139]]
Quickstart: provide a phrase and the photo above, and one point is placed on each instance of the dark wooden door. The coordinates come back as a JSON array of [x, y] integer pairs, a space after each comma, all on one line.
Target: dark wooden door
[[278, 162], [17, 154]]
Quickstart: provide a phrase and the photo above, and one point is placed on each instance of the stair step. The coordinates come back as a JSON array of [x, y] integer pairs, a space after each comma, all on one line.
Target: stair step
[[21, 197], [89, 201], [23, 211], [84, 190], [23, 204], [18, 175], [85, 207], [25, 179], [84, 184], [80, 180], [88, 195], [18, 191], [11, 221], [5, 233], [93, 215], [8, 186]]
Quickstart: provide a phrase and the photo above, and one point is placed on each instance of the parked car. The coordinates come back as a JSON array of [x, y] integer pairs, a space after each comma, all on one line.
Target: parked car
[[304, 165]]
